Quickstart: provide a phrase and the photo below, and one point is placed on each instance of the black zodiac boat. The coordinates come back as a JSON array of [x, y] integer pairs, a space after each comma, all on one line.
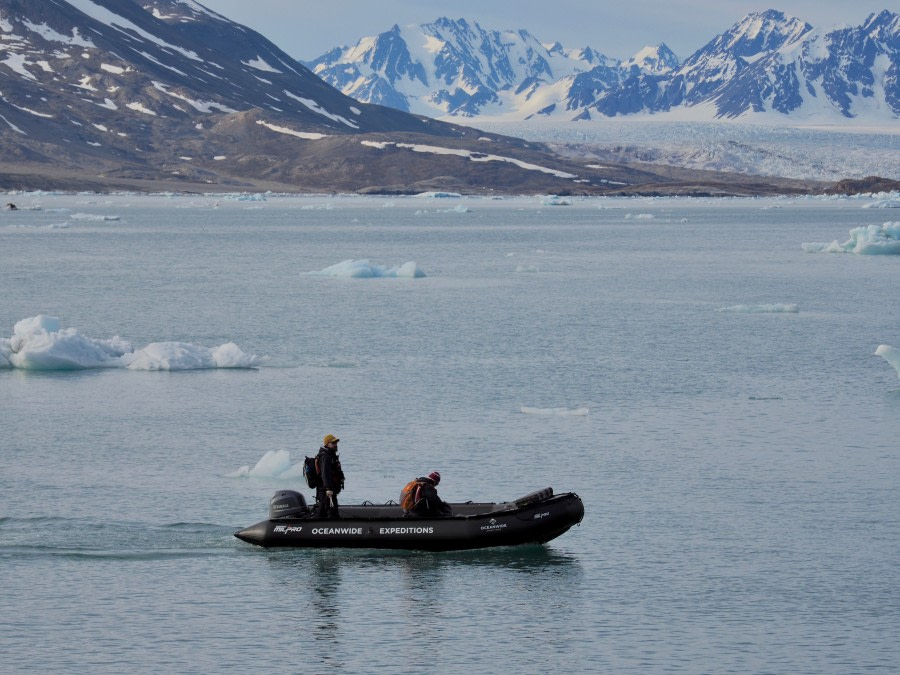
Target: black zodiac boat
[[532, 519]]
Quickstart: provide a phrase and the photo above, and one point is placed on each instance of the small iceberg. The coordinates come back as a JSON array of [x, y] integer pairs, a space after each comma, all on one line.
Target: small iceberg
[[273, 464], [40, 343], [439, 195], [92, 216], [559, 412], [246, 197], [363, 269], [884, 204], [762, 309], [869, 240], [554, 200], [891, 355]]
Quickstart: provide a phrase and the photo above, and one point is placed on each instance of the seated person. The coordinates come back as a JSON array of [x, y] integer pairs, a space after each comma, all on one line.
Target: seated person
[[420, 498]]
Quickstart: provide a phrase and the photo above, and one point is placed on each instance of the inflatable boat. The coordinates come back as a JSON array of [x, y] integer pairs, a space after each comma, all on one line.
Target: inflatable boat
[[533, 519]]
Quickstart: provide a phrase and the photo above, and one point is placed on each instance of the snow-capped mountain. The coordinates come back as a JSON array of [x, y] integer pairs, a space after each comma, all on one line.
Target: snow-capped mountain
[[653, 60], [167, 90], [454, 68], [767, 63]]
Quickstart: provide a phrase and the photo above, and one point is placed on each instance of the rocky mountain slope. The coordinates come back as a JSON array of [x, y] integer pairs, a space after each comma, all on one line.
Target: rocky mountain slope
[[165, 94], [125, 92]]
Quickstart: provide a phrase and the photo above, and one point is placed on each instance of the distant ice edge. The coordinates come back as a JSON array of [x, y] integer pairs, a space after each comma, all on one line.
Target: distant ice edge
[[40, 343]]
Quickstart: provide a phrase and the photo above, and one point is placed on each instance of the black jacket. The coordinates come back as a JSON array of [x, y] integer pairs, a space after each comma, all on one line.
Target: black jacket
[[330, 470]]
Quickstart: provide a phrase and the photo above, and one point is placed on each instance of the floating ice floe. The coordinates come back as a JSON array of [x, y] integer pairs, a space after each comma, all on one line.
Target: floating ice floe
[[273, 464], [92, 216], [561, 412], [761, 309], [553, 200], [891, 355], [869, 240], [883, 204], [251, 197], [439, 195], [39, 343], [363, 269]]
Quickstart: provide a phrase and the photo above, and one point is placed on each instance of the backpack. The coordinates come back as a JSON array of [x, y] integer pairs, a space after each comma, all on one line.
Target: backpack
[[311, 472], [408, 495]]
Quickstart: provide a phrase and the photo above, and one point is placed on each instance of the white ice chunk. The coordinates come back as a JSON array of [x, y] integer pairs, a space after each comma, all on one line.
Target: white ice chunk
[[562, 412], [761, 309], [171, 356], [553, 200], [185, 356], [92, 216], [869, 240], [273, 464], [39, 343], [433, 194], [891, 355], [884, 204], [230, 355], [363, 269]]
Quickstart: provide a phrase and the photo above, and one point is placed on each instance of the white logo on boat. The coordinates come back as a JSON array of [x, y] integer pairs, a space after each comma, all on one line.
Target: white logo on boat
[[493, 525], [337, 530], [286, 529], [538, 516], [406, 530]]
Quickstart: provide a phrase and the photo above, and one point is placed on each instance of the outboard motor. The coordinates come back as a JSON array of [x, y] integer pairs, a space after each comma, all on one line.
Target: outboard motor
[[287, 503]]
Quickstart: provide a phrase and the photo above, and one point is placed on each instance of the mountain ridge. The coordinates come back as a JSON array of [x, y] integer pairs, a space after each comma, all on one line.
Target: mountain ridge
[[165, 94], [768, 63]]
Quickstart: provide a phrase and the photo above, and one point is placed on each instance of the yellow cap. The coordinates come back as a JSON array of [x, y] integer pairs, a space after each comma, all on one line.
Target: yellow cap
[[329, 439]]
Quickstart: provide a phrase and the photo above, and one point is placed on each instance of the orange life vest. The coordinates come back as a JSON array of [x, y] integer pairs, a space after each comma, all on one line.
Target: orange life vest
[[409, 495]]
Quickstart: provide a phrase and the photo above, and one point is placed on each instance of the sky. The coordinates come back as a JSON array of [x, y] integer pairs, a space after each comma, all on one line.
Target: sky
[[306, 29]]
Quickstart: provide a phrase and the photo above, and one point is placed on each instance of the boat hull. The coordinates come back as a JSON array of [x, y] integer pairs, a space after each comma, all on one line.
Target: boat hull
[[472, 526]]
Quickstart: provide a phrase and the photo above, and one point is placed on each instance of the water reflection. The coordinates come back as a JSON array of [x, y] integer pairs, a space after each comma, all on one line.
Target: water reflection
[[401, 599], [526, 559], [325, 583]]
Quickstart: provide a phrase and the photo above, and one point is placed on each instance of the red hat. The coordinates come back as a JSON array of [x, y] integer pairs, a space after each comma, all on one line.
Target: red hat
[[435, 476]]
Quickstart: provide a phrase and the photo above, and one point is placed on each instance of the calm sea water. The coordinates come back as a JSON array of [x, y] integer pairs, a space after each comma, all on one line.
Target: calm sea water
[[739, 468]]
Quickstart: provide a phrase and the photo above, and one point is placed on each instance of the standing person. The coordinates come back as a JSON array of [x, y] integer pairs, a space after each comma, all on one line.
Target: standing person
[[420, 498], [332, 478]]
